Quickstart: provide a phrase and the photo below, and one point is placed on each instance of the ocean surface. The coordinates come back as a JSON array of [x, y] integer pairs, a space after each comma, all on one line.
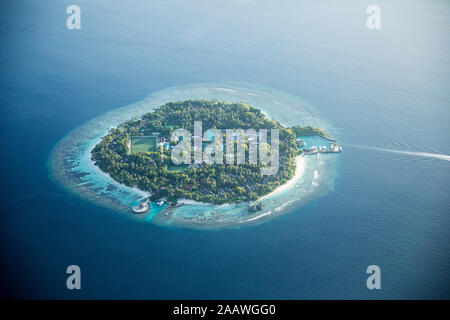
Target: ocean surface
[[385, 92]]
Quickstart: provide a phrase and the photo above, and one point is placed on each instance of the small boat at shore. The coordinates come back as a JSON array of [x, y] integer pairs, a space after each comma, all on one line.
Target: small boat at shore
[[160, 203], [141, 207]]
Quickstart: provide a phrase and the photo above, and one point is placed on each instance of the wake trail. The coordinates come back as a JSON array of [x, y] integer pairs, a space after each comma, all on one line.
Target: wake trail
[[410, 153]]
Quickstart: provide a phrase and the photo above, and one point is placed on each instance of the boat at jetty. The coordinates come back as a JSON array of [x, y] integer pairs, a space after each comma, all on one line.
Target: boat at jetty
[[334, 148], [160, 203]]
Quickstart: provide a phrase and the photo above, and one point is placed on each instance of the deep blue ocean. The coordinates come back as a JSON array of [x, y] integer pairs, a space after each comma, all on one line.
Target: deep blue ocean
[[385, 89]]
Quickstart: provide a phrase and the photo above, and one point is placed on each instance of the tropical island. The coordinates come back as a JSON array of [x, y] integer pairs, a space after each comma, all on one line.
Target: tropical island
[[137, 153]]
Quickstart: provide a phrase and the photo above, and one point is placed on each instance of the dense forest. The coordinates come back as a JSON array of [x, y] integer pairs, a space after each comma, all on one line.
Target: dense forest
[[309, 131], [206, 183]]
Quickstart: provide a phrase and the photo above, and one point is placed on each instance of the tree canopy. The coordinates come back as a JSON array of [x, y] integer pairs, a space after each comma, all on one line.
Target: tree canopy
[[213, 183]]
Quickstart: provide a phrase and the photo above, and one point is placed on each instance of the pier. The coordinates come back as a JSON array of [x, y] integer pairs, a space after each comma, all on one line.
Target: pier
[[333, 147]]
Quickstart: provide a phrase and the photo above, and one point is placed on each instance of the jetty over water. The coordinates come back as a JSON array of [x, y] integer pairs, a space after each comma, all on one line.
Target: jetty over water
[[317, 144]]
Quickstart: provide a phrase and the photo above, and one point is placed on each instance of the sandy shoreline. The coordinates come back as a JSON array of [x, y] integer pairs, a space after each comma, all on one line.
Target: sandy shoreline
[[193, 202], [99, 171], [69, 165], [299, 170]]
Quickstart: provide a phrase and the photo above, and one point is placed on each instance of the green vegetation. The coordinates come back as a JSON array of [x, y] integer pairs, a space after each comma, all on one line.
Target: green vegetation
[[309, 131], [143, 144], [216, 184]]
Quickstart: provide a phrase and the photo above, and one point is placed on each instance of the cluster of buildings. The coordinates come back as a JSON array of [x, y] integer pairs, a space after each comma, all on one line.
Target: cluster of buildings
[[334, 148]]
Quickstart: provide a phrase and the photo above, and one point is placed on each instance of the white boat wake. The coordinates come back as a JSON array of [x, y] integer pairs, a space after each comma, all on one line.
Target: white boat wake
[[410, 153]]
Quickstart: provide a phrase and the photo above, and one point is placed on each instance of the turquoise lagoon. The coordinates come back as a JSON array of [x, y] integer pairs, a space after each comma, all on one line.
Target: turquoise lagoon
[[70, 164], [316, 140]]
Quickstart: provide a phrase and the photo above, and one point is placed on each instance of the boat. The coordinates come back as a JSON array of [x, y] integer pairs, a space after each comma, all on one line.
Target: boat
[[300, 143], [141, 207], [160, 203]]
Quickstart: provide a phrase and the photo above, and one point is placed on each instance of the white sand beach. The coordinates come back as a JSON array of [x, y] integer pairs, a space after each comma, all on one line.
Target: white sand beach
[[192, 202], [300, 168], [96, 169]]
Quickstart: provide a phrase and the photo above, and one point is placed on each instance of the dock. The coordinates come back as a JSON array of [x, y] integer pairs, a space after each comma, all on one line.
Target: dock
[[334, 148]]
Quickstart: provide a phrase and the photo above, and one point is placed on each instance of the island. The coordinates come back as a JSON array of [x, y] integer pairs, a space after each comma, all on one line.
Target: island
[[137, 153]]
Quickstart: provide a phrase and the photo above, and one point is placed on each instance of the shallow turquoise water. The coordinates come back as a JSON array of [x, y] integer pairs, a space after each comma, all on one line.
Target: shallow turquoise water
[[71, 166], [315, 141], [155, 210]]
